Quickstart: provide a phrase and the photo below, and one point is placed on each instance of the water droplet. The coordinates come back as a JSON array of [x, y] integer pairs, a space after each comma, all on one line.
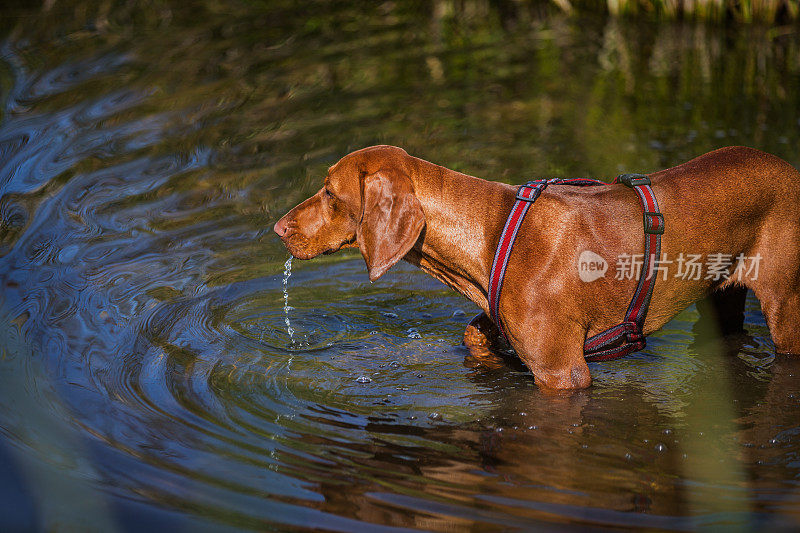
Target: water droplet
[[773, 441], [533, 427], [458, 313], [667, 431], [435, 416], [363, 379], [628, 456], [287, 273], [388, 314], [660, 447], [414, 335], [394, 364]]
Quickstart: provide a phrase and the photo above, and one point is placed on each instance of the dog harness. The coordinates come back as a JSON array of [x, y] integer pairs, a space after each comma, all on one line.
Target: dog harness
[[627, 336]]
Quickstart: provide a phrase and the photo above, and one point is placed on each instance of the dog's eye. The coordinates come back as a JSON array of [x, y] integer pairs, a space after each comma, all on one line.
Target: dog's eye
[[327, 193]]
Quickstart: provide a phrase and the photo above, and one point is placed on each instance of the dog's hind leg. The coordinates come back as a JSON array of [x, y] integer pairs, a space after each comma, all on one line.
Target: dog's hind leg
[[782, 311], [777, 287]]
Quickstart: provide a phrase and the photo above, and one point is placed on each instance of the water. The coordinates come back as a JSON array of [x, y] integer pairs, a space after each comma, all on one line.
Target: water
[[287, 272], [148, 375]]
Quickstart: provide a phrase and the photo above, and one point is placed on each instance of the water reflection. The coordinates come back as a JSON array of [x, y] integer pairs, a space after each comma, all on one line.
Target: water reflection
[[146, 357]]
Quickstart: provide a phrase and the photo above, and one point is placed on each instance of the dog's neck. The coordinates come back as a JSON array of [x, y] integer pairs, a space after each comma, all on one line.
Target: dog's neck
[[459, 225]]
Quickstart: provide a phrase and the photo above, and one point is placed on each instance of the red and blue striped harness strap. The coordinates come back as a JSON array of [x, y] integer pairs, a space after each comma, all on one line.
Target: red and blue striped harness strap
[[627, 336]]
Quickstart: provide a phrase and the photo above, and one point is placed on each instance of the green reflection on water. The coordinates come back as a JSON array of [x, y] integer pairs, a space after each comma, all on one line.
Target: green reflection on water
[[201, 122]]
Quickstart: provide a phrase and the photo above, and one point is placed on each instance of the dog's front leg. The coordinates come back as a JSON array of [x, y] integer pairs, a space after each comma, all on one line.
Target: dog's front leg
[[552, 348], [482, 337], [481, 332]]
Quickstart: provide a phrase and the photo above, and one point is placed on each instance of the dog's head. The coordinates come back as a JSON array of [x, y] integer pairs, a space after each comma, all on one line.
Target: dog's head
[[367, 200]]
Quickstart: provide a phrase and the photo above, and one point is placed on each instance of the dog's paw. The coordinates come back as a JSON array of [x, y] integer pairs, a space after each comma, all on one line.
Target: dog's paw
[[474, 338]]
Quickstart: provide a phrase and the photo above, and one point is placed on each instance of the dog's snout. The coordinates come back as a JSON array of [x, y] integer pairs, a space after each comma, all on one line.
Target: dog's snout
[[280, 227]]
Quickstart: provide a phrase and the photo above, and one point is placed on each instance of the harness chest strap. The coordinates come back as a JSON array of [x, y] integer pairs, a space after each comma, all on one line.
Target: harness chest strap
[[627, 336]]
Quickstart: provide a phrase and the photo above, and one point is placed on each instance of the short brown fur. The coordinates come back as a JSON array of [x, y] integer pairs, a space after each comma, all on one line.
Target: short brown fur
[[394, 206]]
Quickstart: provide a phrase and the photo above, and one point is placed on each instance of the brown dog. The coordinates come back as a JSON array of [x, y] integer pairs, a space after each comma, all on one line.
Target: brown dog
[[738, 202]]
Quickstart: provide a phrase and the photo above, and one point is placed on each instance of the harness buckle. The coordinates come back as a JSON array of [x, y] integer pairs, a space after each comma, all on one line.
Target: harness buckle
[[649, 227], [634, 335], [633, 180], [531, 185]]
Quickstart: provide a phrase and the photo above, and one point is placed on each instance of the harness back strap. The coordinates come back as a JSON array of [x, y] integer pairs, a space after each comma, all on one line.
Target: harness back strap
[[627, 336]]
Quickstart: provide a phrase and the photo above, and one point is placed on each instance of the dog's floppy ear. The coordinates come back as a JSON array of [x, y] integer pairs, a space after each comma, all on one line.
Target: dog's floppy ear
[[391, 219]]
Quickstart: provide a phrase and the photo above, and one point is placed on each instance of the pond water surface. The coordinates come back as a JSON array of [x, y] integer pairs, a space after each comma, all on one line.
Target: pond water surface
[[159, 366]]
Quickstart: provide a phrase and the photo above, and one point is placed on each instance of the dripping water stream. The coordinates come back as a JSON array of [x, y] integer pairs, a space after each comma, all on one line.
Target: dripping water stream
[[287, 273]]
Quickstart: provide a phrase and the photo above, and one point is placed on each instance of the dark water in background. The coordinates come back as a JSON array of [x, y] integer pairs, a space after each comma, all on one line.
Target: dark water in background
[[146, 372]]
